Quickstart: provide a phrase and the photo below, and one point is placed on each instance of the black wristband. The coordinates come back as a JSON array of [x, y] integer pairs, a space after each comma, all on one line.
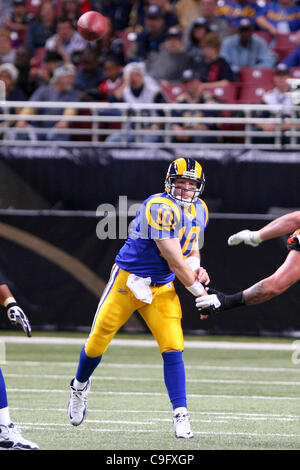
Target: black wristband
[[11, 304], [233, 300]]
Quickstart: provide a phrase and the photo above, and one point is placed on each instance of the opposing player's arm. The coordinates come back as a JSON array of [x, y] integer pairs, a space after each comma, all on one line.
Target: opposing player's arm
[[278, 227], [170, 249], [282, 226], [285, 276]]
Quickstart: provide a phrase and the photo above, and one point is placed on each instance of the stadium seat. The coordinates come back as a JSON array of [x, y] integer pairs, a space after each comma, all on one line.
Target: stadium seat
[[284, 45], [251, 93], [171, 91], [226, 94], [128, 38], [256, 75]]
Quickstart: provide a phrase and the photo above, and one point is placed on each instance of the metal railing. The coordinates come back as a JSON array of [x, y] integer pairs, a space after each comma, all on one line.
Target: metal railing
[[102, 124]]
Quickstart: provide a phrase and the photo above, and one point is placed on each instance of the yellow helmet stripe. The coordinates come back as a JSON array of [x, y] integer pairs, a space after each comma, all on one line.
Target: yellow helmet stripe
[[198, 170], [181, 165]]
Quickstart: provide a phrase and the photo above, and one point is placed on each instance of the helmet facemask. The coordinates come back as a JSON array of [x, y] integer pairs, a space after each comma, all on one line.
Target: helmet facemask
[[172, 189], [184, 169]]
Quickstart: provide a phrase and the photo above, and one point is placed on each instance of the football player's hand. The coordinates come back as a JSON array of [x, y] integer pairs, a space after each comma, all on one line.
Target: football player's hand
[[17, 316], [211, 303], [202, 276], [245, 236]]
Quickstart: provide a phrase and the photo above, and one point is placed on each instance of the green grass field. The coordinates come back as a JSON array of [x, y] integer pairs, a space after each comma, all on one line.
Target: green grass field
[[242, 394]]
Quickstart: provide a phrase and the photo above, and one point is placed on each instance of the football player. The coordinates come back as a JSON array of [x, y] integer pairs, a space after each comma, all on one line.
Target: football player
[[283, 278], [162, 244], [10, 437]]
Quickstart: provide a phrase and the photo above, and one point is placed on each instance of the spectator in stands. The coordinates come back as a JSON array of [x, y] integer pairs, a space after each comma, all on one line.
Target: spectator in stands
[[42, 74], [194, 93], [154, 34], [42, 28], [187, 11], [213, 69], [233, 11], [293, 59], [112, 70], [62, 89], [168, 11], [18, 22], [67, 42], [278, 96], [89, 73], [280, 17], [5, 10], [71, 9], [7, 53], [118, 11], [22, 62], [137, 87], [193, 36], [9, 75], [170, 62], [246, 49], [216, 24]]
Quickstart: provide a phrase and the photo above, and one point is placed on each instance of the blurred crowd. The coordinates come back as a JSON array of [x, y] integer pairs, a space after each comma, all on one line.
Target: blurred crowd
[[151, 45]]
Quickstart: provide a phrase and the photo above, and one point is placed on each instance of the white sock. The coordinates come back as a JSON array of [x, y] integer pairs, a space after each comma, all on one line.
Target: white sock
[[181, 409], [79, 385], [4, 416]]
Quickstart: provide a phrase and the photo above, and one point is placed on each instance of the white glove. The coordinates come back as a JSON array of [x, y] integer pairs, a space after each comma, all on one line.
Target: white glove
[[207, 301], [17, 316], [246, 236]]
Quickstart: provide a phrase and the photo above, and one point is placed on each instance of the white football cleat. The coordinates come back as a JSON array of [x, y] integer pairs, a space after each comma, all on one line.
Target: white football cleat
[[182, 426], [11, 439], [77, 408]]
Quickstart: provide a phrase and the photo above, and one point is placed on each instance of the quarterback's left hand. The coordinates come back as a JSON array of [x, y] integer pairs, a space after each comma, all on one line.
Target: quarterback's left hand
[[202, 276], [17, 316]]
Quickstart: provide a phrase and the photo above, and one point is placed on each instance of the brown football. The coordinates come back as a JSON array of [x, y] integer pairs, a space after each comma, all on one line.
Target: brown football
[[92, 25]]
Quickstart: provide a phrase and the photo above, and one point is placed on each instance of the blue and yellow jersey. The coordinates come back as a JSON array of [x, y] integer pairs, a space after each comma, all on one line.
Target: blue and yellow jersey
[[234, 12], [275, 14], [158, 218]]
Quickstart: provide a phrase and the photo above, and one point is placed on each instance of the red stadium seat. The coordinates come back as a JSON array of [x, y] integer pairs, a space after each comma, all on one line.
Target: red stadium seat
[[256, 75], [128, 38], [226, 94], [251, 93], [284, 45], [171, 91]]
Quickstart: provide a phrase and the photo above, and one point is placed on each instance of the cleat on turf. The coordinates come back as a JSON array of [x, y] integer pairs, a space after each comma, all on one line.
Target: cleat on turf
[[182, 426], [11, 439], [77, 408]]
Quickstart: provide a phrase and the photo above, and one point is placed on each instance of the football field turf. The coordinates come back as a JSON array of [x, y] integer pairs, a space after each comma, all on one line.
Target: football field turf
[[243, 393]]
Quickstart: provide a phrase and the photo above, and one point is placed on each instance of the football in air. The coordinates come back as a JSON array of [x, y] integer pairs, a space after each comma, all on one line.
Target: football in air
[[92, 25]]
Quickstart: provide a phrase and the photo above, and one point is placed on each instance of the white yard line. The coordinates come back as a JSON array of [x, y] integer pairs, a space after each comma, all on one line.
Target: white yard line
[[148, 379], [241, 345], [47, 427], [218, 414], [157, 366], [156, 394]]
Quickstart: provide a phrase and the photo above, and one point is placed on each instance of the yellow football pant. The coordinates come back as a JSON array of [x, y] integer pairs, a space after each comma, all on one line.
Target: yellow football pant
[[117, 304]]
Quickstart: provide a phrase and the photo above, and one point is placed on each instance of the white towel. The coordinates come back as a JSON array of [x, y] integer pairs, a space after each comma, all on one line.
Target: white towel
[[139, 286]]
